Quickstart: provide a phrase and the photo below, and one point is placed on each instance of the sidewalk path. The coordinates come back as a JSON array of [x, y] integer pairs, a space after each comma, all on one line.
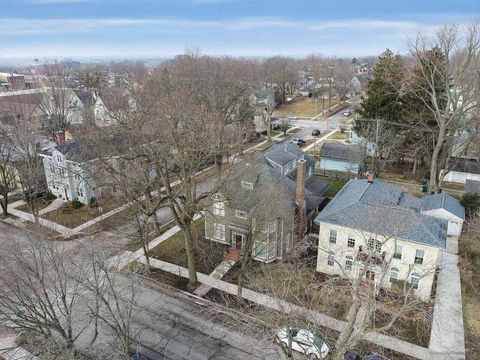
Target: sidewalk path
[[10, 351], [218, 273], [318, 141], [47, 223], [285, 307], [54, 205], [447, 339]]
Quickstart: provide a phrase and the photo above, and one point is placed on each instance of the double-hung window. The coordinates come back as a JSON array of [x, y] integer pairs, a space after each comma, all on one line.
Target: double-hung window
[[331, 258], [333, 236], [419, 254], [219, 231], [348, 263], [393, 275], [351, 241], [219, 209], [414, 281], [398, 252]]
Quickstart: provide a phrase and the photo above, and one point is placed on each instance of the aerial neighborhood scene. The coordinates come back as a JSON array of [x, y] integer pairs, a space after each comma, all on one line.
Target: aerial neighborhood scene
[[230, 179]]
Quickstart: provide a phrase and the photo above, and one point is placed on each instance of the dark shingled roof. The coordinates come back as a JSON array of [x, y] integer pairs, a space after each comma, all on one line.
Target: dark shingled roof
[[338, 151], [384, 209], [85, 96], [472, 186], [466, 166], [262, 174], [443, 201]]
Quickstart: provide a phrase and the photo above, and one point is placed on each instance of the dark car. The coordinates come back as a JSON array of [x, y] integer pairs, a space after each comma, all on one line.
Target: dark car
[[28, 195], [298, 142], [316, 132], [352, 355]]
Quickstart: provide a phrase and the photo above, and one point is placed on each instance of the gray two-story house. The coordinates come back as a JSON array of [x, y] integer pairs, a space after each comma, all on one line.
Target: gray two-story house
[[260, 204]]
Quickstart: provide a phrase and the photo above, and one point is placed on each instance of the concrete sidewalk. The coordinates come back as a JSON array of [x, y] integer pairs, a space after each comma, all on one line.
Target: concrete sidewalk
[[10, 351], [318, 141], [447, 339], [286, 307], [54, 205], [218, 273]]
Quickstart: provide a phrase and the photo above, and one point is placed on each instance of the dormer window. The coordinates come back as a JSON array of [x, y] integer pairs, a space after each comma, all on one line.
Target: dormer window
[[247, 185]]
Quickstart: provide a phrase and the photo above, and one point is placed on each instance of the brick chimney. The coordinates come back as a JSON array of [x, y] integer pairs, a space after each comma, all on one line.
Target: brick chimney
[[60, 136], [300, 199], [300, 188], [370, 177]]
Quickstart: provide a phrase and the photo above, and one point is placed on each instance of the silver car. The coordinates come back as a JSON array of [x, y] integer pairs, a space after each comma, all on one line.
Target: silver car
[[304, 342]]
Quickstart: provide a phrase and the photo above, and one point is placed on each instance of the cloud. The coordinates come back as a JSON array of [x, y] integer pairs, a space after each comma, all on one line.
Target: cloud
[[23, 26]]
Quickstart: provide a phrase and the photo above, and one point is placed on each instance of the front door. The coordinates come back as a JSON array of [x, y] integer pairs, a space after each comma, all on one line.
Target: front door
[[237, 240]]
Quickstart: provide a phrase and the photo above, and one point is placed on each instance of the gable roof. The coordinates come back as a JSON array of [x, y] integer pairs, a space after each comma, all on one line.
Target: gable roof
[[344, 152], [383, 208], [85, 96], [262, 175], [282, 154], [443, 201]]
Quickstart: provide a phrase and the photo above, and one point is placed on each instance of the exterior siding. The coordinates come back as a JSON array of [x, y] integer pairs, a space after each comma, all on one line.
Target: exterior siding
[[338, 165], [406, 265], [460, 177]]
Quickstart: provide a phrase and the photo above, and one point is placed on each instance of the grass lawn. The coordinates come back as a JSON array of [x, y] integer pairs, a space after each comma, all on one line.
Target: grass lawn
[[453, 186], [276, 132], [71, 218], [136, 245], [469, 246], [338, 136], [265, 146], [294, 130], [209, 253], [301, 107], [335, 185]]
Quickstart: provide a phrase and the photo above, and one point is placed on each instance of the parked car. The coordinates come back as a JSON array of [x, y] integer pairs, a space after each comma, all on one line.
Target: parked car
[[316, 132], [292, 118], [352, 355], [347, 113], [32, 194], [298, 142], [303, 341]]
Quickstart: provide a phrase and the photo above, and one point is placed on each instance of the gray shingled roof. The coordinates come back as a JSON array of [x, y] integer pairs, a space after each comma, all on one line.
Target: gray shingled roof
[[263, 176], [472, 186], [443, 201], [282, 154], [338, 151], [384, 209]]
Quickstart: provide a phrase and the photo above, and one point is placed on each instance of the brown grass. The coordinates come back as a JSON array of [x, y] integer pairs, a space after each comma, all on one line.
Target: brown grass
[[302, 107]]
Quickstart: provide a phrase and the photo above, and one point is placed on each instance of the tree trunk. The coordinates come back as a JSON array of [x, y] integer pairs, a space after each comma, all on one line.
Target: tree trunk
[[190, 249], [435, 155], [4, 204], [269, 126]]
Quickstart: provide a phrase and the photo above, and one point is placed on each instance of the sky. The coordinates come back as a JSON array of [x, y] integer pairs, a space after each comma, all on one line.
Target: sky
[[48, 29]]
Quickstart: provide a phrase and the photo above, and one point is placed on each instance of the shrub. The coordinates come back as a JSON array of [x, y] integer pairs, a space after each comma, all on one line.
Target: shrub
[[93, 203], [49, 196], [471, 203], [76, 204]]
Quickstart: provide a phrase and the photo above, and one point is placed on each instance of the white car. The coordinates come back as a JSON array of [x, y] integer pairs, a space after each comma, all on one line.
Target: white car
[[347, 113], [304, 342]]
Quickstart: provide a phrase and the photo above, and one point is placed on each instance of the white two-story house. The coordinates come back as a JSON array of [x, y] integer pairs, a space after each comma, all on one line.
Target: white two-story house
[[376, 224], [67, 177]]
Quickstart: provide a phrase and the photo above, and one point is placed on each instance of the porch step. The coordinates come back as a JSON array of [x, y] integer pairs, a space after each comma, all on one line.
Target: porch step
[[233, 254]]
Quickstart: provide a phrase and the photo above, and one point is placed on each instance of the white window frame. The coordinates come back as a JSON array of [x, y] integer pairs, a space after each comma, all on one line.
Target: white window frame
[[351, 241], [394, 275], [219, 231], [330, 237], [348, 263], [422, 257], [415, 281], [247, 185], [241, 214], [219, 208], [331, 258], [398, 252]]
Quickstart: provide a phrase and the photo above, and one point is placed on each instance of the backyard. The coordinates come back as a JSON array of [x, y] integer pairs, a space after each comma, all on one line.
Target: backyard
[[469, 246]]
